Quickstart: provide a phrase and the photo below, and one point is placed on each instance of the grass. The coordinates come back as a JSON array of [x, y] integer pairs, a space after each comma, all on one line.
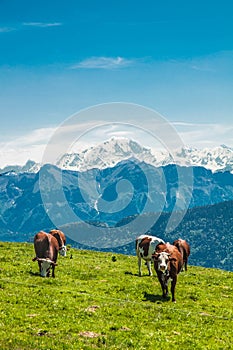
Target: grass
[[95, 302]]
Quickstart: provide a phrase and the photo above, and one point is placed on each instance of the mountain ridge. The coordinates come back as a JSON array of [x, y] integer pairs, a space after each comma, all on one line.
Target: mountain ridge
[[111, 152], [103, 196]]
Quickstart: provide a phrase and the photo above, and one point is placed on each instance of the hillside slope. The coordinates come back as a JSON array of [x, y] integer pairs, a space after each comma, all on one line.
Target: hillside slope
[[97, 302], [208, 229]]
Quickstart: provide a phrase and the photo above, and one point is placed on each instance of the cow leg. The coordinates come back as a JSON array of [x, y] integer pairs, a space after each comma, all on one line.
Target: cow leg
[[173, 285], [165, 290], [139, 266], [163, 283], [148, 264], [53, 268], [39, 264], [185, 265]]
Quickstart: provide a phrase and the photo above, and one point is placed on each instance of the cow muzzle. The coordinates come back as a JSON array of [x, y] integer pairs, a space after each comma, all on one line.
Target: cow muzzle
[[163, 268], [44, 265], [63, 250]]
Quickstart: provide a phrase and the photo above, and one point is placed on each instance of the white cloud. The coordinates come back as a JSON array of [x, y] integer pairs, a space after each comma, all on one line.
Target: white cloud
[[205, 135], [29, 146], [42, 24], [30, 24], [103, 63]]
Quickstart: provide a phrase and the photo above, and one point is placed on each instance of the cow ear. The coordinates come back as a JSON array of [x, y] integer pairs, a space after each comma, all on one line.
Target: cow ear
[[172, 259], [155, 256]]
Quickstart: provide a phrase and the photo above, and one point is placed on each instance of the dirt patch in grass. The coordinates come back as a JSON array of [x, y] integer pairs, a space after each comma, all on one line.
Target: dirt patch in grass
[[89, 334]]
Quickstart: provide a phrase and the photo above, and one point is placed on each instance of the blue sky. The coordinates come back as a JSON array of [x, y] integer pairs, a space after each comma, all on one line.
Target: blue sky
[[58, 57]]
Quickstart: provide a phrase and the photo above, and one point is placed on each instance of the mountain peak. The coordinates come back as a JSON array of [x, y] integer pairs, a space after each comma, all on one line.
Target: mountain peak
[[29, 167], [117, 149], [106, 154]]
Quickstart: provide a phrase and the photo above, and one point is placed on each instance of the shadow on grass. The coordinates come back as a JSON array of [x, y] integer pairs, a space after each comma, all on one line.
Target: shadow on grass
[[155, 298], [130, 273], [37, 274], [135, 274]]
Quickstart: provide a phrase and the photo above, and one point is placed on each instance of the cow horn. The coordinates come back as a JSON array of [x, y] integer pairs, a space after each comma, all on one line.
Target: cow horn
[[50, 261], [44, 259]]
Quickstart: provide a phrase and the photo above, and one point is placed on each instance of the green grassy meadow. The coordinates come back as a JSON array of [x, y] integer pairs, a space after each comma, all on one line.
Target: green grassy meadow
[[95, 302]]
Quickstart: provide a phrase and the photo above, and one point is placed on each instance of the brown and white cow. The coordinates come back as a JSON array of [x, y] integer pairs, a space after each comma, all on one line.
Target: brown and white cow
[[184, 249], [167, 263], [46, 249], [145, 247], [61, 238]]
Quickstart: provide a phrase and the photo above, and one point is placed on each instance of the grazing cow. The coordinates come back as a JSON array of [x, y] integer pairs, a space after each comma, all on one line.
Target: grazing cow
[[145, 247], [46, 249], [184, 249], [167, 263], [61, 238]]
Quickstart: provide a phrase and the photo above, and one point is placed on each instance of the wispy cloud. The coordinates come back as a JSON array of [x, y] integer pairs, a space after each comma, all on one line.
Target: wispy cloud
[[6, 29], [28, 146], [103, 63], [202, 68], [42, 24], [30, 24], [205, 135]]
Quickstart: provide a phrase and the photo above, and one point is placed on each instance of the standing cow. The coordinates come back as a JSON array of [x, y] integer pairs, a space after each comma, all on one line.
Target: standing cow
[[61, 238], [46, 249], [145, 247], [168, 263], [184, 249]]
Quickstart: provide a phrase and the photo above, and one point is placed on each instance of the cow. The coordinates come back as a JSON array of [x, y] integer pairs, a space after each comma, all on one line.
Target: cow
[[61, 238], [46, 249], [145, 247], [184, 249], [167, 263]]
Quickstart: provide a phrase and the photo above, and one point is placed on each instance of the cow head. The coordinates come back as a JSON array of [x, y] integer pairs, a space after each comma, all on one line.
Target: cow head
[[63, 250], [45, 265], [162, 261]]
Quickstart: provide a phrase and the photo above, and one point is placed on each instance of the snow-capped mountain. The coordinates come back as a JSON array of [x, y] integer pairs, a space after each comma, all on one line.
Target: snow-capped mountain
[[29, 167], [111, 152], [215, 159], [108, 154]]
